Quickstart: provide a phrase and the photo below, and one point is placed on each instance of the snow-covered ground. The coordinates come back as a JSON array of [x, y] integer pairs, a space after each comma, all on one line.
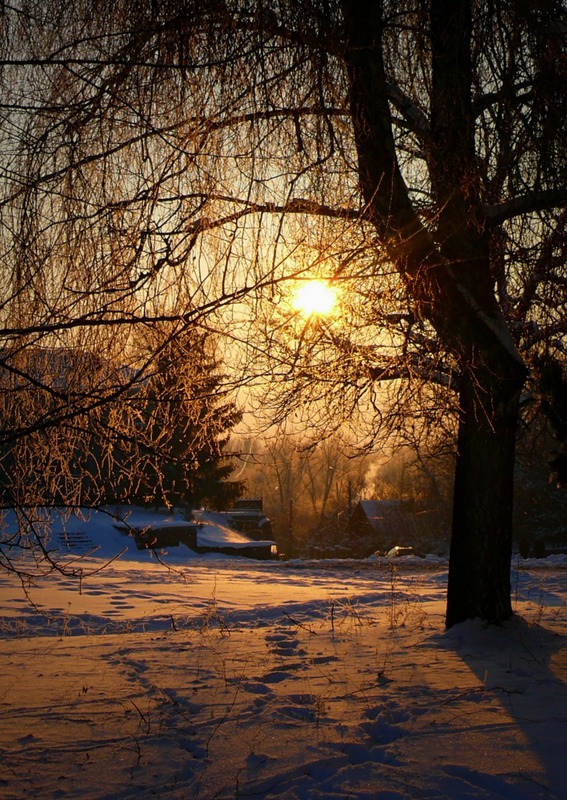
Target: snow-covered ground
[[205, 677]]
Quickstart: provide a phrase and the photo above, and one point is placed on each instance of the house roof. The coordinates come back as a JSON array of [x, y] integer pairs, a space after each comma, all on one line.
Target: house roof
[[382, 515], [379, 508]]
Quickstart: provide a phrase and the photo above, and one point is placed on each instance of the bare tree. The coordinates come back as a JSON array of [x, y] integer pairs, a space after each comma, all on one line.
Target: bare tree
[[304, 484], [448, 266]]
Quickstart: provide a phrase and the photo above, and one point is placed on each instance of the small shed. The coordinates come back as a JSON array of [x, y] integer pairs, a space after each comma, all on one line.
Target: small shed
[[204, 536]]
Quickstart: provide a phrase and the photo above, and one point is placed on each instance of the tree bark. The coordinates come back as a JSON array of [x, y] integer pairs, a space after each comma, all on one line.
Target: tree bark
[[481, 541]]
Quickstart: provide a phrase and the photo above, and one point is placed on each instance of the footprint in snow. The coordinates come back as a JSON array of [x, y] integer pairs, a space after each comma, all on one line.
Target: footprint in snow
[[283, 643]]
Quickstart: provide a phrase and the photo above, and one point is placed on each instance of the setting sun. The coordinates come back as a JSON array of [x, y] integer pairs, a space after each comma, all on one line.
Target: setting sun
[[315, 297]]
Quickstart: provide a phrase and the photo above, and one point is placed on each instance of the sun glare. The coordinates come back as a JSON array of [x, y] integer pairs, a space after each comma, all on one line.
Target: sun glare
[[315, 297]]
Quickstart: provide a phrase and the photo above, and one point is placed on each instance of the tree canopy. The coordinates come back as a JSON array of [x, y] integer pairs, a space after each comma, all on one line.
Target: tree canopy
[[185, 163]]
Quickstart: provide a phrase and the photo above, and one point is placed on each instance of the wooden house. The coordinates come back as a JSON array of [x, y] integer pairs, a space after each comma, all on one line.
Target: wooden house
[[378, 525]]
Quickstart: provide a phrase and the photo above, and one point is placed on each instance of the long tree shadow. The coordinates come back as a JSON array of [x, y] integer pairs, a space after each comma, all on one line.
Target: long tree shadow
[[525, 667]]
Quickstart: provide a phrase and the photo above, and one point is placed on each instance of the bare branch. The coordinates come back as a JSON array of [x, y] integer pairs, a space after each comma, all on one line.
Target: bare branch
[[534, 201]]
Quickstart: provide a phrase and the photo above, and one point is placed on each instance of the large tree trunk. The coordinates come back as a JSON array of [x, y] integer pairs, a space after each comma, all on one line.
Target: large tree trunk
[[481, 542]]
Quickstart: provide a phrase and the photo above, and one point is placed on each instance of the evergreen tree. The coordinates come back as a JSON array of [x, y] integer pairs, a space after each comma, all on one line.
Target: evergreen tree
[[183, 428]]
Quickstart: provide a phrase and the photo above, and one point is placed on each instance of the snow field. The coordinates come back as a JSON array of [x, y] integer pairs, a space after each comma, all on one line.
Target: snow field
[[227, 678]]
